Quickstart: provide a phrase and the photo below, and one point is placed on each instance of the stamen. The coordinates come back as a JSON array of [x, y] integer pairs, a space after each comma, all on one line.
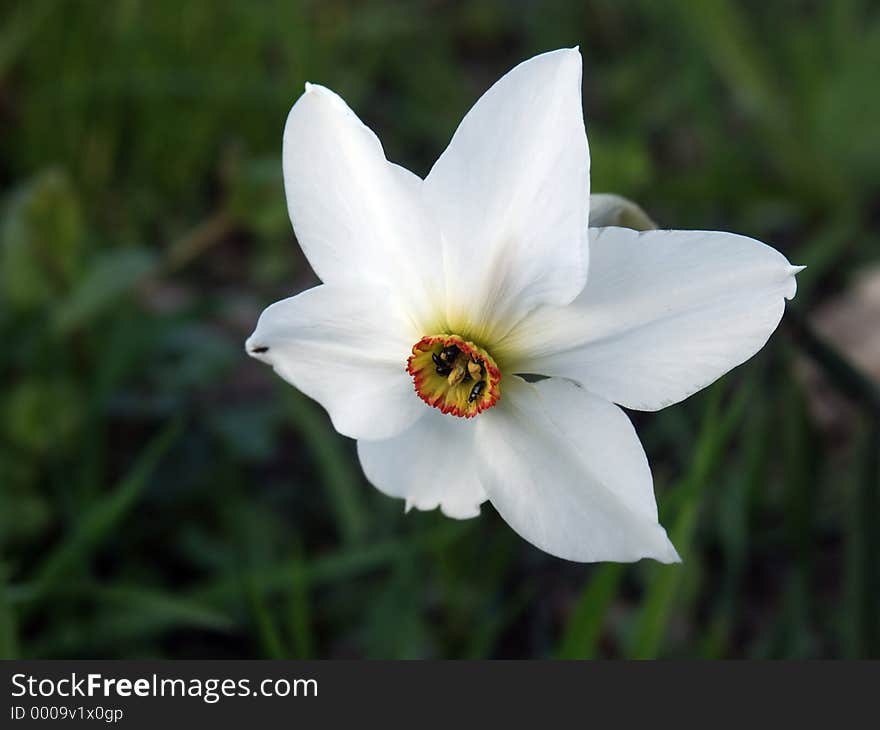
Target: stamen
[[454, 375], [475, 370], [457, 375]]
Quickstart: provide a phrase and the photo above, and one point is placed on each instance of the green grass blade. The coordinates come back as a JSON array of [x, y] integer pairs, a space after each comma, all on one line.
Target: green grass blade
[[267, 627], [338, 566], [107, 513], [584, 628], [799, 457], [299, 608], [665, 581], [151, 609], [734, 528], [340, 479], [125, 614], [486, 633], [861, 623]]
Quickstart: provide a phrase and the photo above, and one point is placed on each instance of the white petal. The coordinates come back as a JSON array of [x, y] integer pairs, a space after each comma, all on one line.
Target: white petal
[[566, 470], [346, 349], [358, 217], [430, 464], [663, 314], [511, 196]]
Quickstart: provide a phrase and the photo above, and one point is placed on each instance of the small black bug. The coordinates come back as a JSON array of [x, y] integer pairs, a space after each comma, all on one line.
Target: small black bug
[[476, 391], [443, 370], [437, 361], [450, 353]]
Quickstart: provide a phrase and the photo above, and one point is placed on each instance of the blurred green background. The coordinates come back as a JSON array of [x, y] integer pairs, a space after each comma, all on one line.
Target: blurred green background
[[162, 495]]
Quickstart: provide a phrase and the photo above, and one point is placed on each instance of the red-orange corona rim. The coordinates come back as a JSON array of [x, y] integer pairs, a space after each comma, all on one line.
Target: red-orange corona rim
[[454, 375]]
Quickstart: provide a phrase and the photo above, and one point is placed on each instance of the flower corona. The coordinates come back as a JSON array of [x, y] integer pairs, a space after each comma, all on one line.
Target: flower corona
[[458, 377]]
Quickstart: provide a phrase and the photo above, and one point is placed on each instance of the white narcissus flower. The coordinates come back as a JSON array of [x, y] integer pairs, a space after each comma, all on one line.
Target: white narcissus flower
[[440, 293]]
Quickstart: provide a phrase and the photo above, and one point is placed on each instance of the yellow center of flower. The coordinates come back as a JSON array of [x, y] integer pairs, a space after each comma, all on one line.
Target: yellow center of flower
[[458, 377]]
